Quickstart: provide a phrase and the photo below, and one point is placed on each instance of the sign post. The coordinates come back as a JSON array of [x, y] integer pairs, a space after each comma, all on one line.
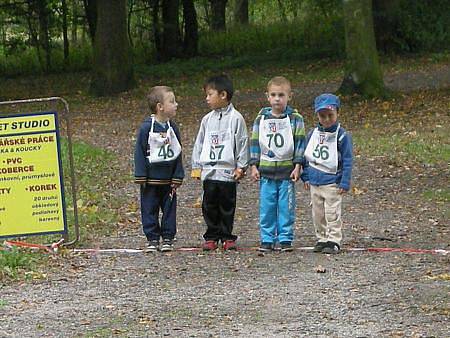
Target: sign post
[[31, 173]]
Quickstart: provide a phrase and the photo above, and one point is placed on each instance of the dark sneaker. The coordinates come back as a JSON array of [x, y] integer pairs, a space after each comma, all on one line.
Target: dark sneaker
[[152, 246], [229, 245], [286, 247], [331, 248], [265, 247], [319, 246], [209, 246], [167, 245]]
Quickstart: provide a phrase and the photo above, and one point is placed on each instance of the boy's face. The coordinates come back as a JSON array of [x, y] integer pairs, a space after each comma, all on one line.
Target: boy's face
[[216, 100], [168, 108], [327, 117], [278, 97]]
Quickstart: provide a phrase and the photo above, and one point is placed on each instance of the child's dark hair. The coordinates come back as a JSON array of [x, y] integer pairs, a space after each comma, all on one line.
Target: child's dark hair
[[220, 83]]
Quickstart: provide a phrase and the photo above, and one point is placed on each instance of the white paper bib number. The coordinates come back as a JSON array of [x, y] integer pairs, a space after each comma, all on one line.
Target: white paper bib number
[[218, 148], [276, 139], [163, 146], [321, 152]]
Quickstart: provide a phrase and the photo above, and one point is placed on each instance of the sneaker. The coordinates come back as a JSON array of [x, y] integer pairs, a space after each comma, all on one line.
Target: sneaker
[[286, 247], [209, 246], [331, 248], [229, 245], [319, 246], [152, 246], [265, 247], [167, 245]]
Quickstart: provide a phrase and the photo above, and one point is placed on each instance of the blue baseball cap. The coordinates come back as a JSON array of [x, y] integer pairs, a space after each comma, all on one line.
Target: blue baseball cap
[[326, 101]]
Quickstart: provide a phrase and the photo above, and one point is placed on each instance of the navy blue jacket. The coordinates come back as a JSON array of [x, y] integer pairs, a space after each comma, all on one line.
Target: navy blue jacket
[[345, 162], [156, 173]]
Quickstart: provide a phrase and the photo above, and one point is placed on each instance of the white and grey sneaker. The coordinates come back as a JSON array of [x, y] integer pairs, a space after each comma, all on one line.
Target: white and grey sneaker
[[152, 246], [167, 245]]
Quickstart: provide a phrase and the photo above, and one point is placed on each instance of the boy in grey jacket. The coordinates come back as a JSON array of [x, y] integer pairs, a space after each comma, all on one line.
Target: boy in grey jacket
[[220, 158]]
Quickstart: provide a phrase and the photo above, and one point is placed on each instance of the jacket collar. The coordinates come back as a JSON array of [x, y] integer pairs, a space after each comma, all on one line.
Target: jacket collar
[[331, 129], [267, 111]]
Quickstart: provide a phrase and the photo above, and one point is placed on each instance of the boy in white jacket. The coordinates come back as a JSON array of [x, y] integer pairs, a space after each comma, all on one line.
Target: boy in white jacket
[[221, 155]]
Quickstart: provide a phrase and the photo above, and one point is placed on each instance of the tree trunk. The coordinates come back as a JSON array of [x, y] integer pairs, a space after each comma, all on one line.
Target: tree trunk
[[74, 35], [190, 46], [387, 16], [218, 14], [44, 36], [362, 70], [90, 7], [64, 27], [171, 32], [154, 8], [113, 69], [241, 12]]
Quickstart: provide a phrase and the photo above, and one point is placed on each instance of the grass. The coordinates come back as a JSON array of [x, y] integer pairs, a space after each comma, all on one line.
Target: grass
[[96, 175], [16, 263], [440, 194], [426, 148]]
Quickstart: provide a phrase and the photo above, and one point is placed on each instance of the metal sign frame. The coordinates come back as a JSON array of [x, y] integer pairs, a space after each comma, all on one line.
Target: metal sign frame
[[66, 117]]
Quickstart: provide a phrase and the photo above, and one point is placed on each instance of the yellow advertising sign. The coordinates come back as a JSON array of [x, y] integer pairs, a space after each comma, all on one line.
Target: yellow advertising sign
[[31, 185]]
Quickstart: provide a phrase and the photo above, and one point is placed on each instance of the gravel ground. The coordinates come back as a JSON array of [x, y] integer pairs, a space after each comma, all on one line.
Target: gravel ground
[[244, 294]]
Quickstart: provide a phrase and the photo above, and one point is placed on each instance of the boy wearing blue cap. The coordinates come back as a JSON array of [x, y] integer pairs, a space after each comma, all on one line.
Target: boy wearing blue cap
[[327, 171]]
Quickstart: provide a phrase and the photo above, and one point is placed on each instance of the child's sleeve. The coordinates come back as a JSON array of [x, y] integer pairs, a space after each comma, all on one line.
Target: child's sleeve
[[299, 139], [241, 138], [197, 150], [304, 176], [255, 149], [346, 149], [140, 157], [178, 173]]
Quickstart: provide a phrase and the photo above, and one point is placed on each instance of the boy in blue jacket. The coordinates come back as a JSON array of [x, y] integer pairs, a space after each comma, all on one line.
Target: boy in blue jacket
[[158, 168], [327, 172]]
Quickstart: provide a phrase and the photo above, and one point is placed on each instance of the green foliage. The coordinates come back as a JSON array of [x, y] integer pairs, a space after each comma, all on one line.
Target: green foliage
[[424, 26], [14, 260], [282, 40], [97, 204], [27, 61]]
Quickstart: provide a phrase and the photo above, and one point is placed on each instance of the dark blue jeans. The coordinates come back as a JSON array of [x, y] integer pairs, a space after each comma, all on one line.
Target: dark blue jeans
[[153, 199]]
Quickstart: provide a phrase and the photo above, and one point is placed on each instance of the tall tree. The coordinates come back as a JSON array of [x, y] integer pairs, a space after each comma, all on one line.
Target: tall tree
[[90, 7], [112, 70], [190, 45], [65, 28], [387, 16], [362, 69], [218, 8], [171, 33], [241, 12]]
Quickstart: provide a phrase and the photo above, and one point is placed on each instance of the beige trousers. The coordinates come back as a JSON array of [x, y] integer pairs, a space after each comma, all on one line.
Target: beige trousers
[[326, 212]]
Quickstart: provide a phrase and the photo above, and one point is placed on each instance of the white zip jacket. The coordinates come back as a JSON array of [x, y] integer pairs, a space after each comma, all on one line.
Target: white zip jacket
[[219, 120]]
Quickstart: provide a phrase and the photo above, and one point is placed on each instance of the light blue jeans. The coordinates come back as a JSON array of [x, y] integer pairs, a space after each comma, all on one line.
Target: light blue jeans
[[276, 210]]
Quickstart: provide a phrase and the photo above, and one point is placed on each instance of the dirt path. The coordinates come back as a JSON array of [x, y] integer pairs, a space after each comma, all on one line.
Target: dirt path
[[242, 294]]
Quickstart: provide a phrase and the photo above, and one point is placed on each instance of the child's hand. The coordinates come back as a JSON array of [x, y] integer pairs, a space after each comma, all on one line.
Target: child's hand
[[196, 174], [238, 174], [175, 186], [295, 174], [306, 185], [342, 191], [255, 173]]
